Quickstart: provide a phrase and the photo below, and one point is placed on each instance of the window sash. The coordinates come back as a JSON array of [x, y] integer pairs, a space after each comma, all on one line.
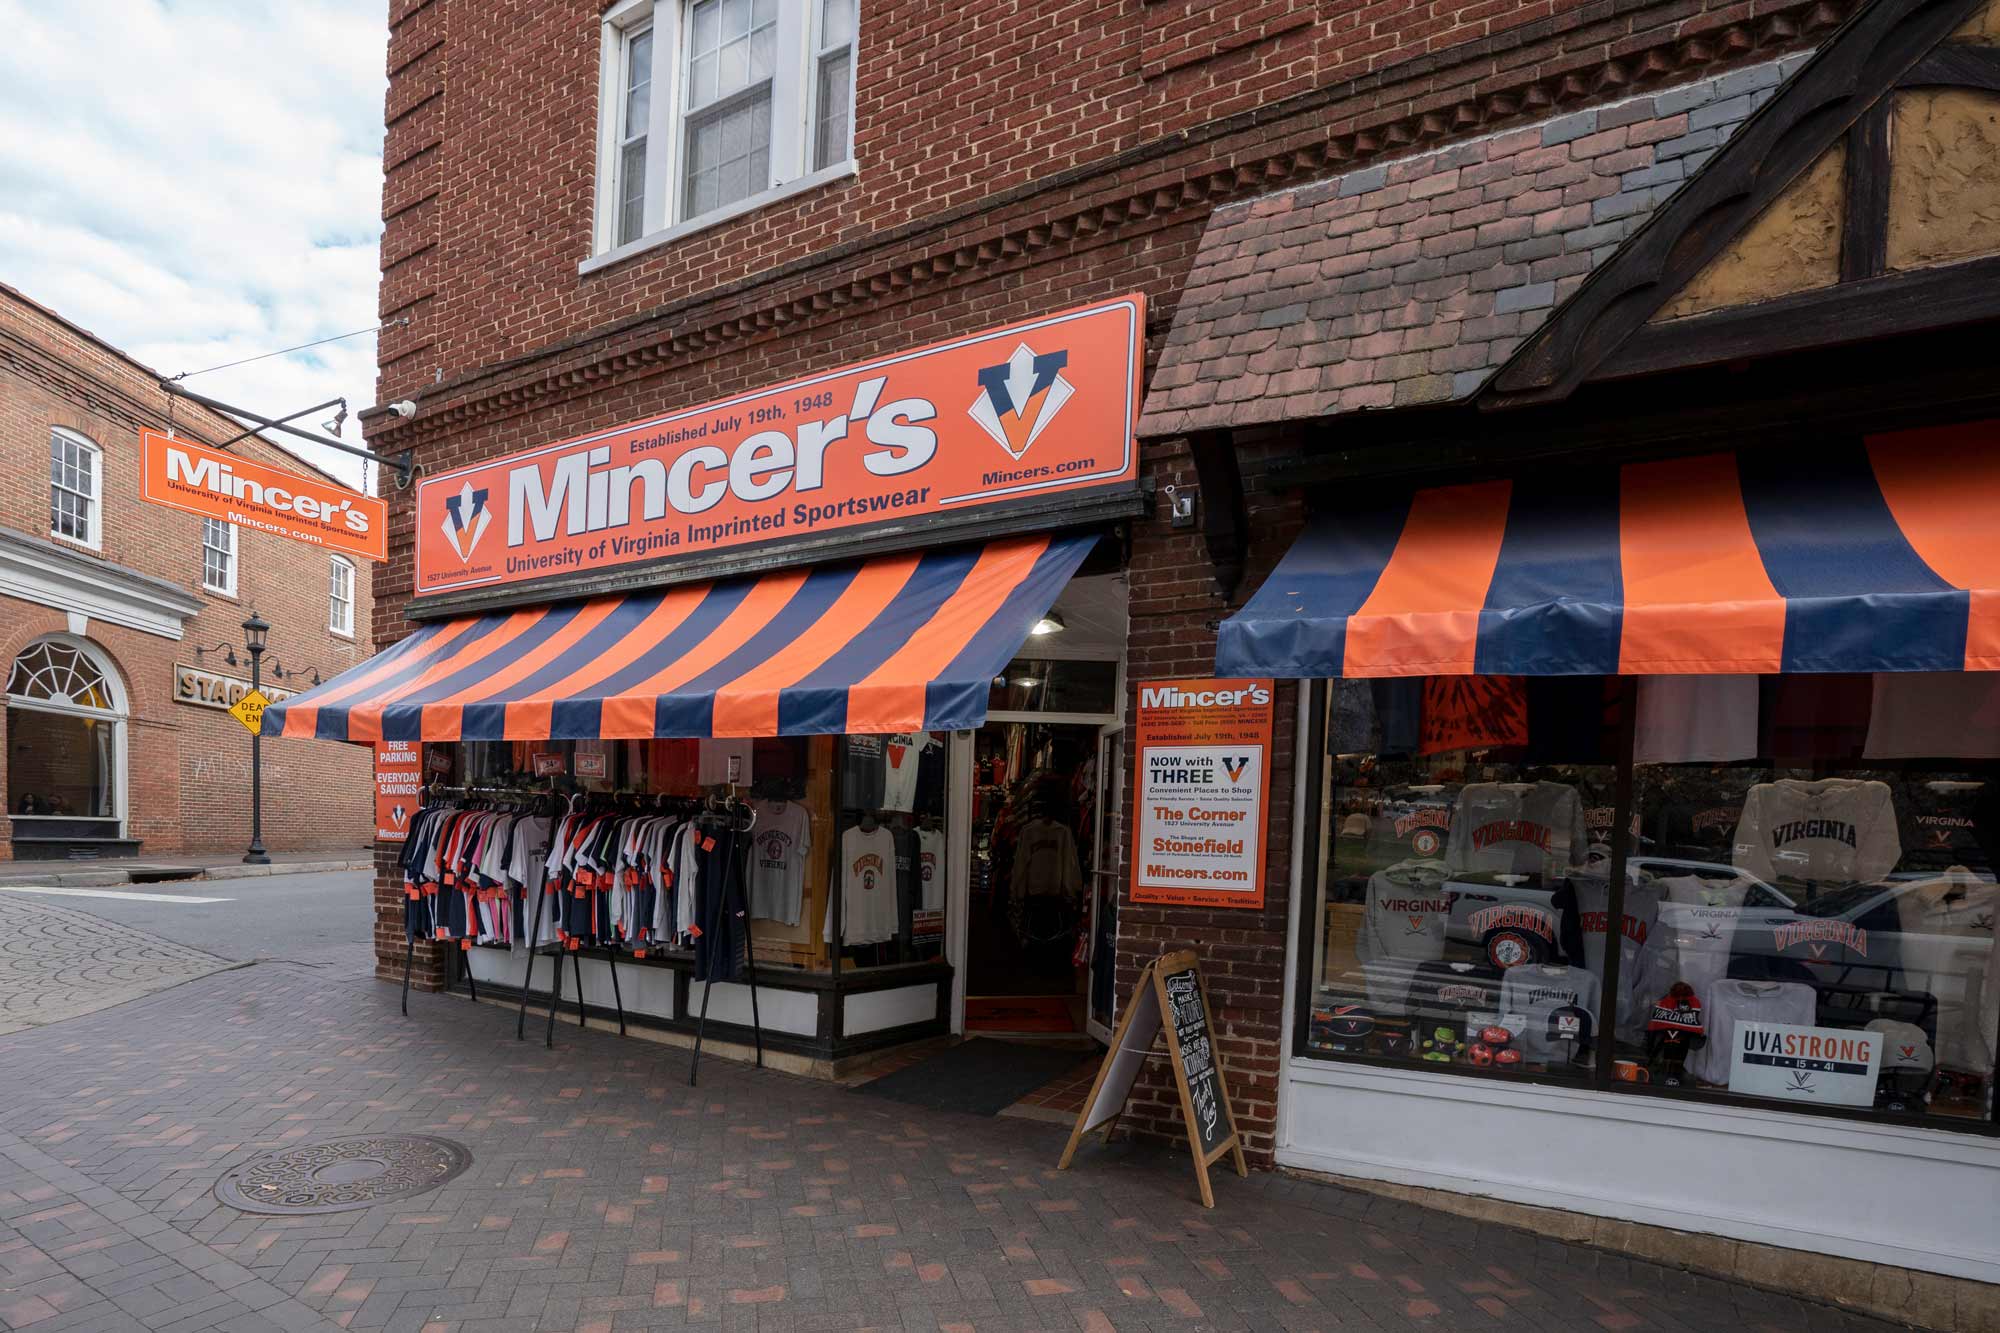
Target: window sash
[[677, 191], [218, 556], [72, 488], [340, 598], [634, 91]]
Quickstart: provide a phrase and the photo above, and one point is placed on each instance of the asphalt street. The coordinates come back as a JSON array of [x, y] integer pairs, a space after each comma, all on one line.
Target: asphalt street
[[288, 917]]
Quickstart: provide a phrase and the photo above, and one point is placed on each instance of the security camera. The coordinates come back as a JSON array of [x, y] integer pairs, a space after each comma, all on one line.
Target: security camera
[[403, 407]]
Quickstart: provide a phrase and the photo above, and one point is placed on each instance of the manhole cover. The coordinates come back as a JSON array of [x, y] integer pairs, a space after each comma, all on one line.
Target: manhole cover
[[341, 1174]]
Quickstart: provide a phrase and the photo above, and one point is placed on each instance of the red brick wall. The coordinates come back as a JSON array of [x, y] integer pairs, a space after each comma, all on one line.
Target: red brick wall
[[187, 767], [1012, 159]]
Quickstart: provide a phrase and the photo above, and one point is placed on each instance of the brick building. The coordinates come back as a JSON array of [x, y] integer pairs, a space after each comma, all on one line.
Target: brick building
[[1380, 251], [116, 734]]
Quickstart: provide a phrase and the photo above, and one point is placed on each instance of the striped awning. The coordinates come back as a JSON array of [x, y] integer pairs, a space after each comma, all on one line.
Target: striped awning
[[1876, 555], [897, 643]]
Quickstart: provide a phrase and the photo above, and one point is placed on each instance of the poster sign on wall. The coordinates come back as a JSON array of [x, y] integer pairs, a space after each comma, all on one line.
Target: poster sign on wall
[[1824, 1066], [1204, 764], [398, 788], [1031, 409], [214, 483]]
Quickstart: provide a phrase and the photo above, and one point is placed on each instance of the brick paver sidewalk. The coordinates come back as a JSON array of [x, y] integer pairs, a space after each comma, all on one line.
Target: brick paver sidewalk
[[57, 964], [608, 1195]]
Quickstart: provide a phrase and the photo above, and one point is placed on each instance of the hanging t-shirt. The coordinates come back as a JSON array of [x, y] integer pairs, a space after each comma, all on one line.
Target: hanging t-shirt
[[1950, 948], [1735, 1002], [715, 757], [930, 868], [861, 776], [1529, 997], [1698, 920], [1934, 715], [1645, 963], [1695, 719], [1521, 828], [779, 846], [1473, 712], [902, 760], [1403, 925], [1830, 832], [867, 887]]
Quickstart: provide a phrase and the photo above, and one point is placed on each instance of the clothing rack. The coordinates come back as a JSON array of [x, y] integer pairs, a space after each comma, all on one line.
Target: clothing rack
[[732, 810]]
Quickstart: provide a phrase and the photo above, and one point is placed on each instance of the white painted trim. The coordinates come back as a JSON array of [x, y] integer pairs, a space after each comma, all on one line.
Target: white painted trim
[[879, 1010], [667, 236], [95, 516], [958, 872], [1890, 1172], [52, 575]]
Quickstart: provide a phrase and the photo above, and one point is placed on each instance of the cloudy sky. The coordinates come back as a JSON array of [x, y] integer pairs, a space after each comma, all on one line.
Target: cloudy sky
[[197, 181]]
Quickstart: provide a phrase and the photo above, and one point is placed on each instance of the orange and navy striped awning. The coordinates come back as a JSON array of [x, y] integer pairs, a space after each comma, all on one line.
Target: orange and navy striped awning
[[897, 643], [1872, 555]]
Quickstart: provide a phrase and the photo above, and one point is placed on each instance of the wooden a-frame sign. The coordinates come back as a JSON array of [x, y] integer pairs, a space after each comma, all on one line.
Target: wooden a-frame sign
[[1170, 995]]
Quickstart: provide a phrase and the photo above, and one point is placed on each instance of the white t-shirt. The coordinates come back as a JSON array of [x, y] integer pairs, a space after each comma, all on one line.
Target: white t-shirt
[[1532, 992], [1698, 920], [1695, 719], [1645, 962], [715, 757], [901, 757], [779, 846], [1834, 831], [867, 887], [930, 869], [1523, 828], [1403, 925], [1734, 1002]]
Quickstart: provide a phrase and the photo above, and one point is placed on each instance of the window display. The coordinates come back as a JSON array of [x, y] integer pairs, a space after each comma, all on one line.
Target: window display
[[1808, 908], [1462, 877], [889, 861]]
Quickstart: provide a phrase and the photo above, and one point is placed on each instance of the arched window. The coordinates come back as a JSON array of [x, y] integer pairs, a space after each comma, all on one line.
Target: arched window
[[65, 732]]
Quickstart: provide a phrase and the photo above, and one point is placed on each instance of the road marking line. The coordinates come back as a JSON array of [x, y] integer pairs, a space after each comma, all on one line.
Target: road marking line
[[111, 893]]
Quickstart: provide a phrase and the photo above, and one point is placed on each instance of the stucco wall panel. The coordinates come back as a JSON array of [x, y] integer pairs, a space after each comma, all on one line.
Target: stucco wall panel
[[1793, 246], [1944, 193]]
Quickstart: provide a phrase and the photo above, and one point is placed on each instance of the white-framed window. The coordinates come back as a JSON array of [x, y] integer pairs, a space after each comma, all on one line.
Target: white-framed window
[[340, 596], [710, 108], [218, 556], [76, 468]]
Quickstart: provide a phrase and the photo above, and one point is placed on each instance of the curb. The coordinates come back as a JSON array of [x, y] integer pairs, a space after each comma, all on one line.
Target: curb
[[98, 879]]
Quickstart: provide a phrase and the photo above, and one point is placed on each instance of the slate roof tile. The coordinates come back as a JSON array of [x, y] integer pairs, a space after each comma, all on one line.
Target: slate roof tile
[[1412, 281]]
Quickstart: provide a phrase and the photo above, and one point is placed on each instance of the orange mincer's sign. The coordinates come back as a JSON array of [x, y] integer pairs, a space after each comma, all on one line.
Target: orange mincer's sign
[[1203, 771], [1010, 414], [216, 484]]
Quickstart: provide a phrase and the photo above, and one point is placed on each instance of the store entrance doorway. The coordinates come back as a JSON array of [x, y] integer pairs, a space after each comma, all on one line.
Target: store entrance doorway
[[1036, 796]]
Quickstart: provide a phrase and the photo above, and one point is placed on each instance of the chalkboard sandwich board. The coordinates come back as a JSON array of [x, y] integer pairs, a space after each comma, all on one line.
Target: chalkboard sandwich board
[[1169, 997]]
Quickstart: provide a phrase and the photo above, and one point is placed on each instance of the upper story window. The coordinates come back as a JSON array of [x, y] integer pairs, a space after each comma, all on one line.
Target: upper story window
[[218, 556], [75, 477], [340, 597], [755, 99]]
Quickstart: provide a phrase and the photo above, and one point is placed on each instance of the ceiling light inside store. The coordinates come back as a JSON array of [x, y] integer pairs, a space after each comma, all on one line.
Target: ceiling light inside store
[[1048, 624]]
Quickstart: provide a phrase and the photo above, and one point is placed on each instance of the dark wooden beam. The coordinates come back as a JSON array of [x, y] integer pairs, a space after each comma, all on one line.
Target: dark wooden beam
[[1225, 519], [1957, 65], [1862, 63], [1864, 228], [1851, 312]]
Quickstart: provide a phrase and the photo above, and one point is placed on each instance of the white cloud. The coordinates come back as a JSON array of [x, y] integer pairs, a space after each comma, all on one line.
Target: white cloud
[[199, 181]]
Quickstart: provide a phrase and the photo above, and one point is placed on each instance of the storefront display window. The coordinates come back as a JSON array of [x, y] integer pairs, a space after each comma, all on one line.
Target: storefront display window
[[1808, 912], [889, 860], [1465, 884]]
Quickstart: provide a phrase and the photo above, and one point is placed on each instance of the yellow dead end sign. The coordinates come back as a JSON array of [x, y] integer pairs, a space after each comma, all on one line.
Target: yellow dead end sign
[[249, 710]]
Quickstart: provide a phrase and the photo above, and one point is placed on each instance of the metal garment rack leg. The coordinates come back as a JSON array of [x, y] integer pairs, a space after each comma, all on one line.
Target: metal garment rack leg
[[409, 956], [576, 968], [611, 958], [528, 971], [465, 961], [555, 998]]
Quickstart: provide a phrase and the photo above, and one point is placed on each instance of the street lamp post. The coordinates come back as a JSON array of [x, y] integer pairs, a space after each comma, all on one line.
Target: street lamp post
[[256, 631]]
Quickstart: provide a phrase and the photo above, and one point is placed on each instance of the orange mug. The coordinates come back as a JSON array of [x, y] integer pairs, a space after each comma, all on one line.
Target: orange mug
[[1630, 1071]]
